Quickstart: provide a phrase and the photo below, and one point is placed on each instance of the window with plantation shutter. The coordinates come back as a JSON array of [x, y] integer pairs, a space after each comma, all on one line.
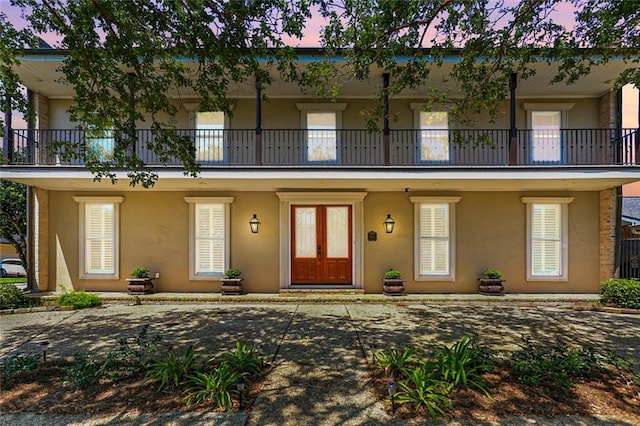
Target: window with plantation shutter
[[434, 233], [209, 239], [209, 236], [547, 235], [99, 237]]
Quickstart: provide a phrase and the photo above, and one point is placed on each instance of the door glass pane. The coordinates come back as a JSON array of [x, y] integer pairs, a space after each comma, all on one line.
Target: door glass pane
[[209, 136], [545, 133], [321, 139], [305, 218], [338, 232], [434, 136]]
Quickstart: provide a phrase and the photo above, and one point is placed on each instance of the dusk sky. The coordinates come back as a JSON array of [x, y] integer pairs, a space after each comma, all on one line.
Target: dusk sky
[[564, 13]]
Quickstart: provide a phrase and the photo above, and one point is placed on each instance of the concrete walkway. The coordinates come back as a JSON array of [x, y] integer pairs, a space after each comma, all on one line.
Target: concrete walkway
[[319, 351]]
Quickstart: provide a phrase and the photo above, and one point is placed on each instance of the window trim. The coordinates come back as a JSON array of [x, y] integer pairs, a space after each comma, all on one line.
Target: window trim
[[417, 202], [563, 202], [82, 203], [193, 201]]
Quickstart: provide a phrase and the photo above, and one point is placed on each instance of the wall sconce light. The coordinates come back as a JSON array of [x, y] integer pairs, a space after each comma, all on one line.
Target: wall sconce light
[[254, 224], [389, 223]]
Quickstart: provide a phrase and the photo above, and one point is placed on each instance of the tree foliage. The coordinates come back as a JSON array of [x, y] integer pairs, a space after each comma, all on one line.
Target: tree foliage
[[13, 217], [128, 60]]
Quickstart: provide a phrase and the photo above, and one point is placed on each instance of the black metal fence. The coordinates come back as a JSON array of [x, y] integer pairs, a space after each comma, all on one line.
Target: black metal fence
[[358, 147], [630, 258]]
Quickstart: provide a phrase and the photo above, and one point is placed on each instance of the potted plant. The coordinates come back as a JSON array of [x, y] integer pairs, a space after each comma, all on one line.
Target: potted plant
[[140, 281], [393, 283], [491, 282], [232, 281]]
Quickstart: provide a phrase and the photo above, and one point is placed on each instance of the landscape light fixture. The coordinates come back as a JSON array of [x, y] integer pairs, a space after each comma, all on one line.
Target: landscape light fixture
[[254, 224], [43, 347], [392, 388], [240, 387], [389, 223]]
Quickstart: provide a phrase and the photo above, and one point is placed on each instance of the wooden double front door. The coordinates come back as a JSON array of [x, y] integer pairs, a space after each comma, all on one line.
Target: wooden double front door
[[321, 244]]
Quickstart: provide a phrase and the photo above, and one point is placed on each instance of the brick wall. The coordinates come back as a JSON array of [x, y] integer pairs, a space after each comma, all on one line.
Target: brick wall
[[608, 215], [41, 237]]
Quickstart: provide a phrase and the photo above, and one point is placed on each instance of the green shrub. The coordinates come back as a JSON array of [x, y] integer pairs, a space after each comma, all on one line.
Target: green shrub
[[621, 292], [245, 360], [140, 272], [461, 365], [424, 389], [172, 370], [133, 356], [78, 299], [215, 387], [555, 365], [16, 363], [392, 274], [491, 274], [232, 273], [393, 362], [83, 372], [12, 297]]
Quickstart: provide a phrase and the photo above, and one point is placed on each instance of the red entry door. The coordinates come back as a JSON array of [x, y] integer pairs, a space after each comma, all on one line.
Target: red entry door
[[321, 244]]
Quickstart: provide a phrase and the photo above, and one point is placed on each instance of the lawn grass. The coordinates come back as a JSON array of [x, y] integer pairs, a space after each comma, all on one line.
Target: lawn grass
[[13, 280]]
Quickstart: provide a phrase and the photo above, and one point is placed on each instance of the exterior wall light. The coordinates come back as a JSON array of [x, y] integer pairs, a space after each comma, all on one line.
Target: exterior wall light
[[254, 224], [389, 223]]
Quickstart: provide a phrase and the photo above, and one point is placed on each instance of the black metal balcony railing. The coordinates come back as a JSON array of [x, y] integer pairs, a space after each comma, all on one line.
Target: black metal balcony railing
[[350, 148]]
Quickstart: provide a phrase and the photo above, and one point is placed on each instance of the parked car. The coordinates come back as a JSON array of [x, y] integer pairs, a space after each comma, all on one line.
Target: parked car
[[12, 268]]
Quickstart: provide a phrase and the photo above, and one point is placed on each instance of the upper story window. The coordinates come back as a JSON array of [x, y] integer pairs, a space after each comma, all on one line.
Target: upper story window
[[100, 144], [322, 122], [210, 136], [546, 121], [547, 238], [432, 134], [99, 237]]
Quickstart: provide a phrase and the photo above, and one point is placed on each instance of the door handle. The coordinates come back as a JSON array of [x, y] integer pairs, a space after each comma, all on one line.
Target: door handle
[[319, 250]]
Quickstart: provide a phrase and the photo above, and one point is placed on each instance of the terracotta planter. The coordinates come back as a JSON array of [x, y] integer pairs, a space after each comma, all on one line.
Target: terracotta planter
[[491, 286], [393, 287], [231, 285], [140, 285]]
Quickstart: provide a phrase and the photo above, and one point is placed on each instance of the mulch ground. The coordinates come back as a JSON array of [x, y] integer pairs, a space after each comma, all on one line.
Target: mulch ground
[[42, 391]]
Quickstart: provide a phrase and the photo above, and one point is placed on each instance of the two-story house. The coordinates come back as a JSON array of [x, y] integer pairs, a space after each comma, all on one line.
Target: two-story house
[[296, 193]]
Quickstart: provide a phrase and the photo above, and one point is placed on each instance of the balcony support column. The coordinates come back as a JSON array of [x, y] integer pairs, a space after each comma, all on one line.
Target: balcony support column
[[258, 139], [513, 131], [7, 139], [385, 135], [637, 137], [131, 83]]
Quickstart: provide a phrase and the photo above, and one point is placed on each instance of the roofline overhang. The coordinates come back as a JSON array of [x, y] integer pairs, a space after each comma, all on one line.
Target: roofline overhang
[[389, 179], [306, 54]]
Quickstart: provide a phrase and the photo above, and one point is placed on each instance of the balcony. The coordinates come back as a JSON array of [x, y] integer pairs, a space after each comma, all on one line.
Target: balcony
[[345, 148]]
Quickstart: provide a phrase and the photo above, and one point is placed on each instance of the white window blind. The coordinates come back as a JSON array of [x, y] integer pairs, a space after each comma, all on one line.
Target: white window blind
[[434, 241], [545, 128], [322, 137], [546, 239], [210, 136], [434, 135], [209, 238], [99, 238]]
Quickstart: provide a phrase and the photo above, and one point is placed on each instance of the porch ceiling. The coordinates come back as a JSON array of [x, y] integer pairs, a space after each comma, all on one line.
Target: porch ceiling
[[519, 179], [41, 74]]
